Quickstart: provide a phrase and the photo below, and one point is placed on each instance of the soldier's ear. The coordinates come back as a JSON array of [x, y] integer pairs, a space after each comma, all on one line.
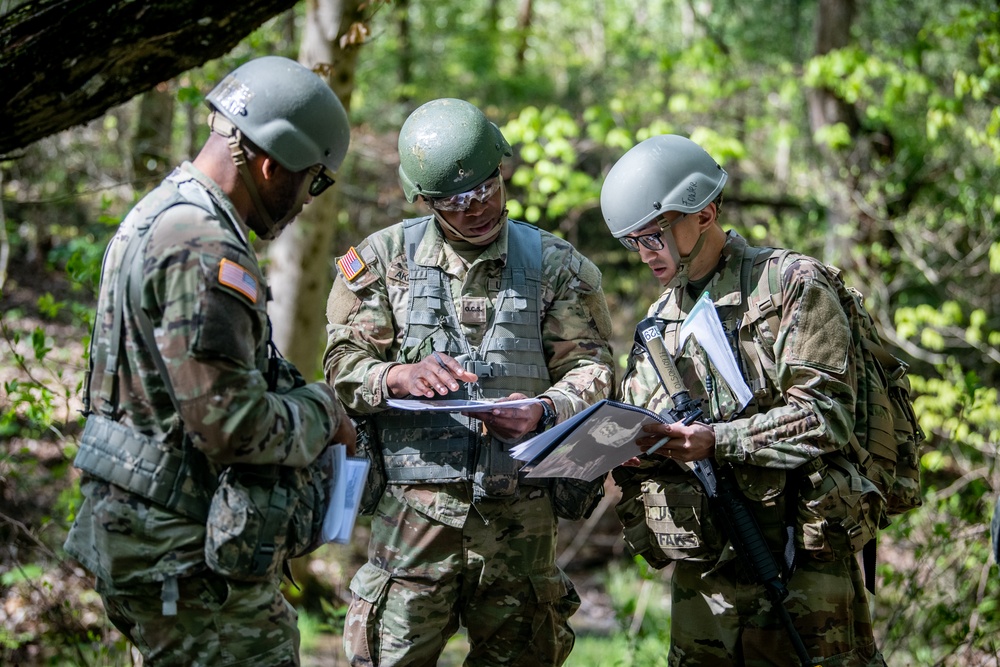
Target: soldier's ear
[[707, 216], [269, 167]]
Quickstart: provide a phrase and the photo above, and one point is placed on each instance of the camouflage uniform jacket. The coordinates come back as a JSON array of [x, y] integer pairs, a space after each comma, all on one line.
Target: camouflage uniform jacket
[[803, 403], [367, 317], [206, 297]]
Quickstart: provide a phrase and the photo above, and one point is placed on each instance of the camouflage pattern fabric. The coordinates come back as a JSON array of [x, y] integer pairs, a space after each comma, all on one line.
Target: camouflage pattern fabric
[[495, 575], [205, 294], [450, 560], [802, 409], [218, 623], [720, 619]]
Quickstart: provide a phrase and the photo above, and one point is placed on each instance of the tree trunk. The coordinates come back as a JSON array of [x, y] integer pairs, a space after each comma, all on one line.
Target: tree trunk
[[152, 142], [65, 62], [300, 271], [402, 14], [833, 31], [524, 15]]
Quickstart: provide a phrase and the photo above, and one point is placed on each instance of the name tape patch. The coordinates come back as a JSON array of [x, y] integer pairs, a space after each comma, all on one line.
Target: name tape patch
[[235, 276]]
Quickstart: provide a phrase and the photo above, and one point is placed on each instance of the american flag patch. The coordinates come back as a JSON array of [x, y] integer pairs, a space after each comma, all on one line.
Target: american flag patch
[[350, 264], [233, 275]]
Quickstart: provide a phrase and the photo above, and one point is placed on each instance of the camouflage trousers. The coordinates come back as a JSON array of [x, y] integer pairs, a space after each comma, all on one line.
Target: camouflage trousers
[[496, 576], [219, 622], [721, 620]]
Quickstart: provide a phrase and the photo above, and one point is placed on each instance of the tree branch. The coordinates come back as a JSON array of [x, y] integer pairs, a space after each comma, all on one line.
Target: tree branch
[[65, 62]]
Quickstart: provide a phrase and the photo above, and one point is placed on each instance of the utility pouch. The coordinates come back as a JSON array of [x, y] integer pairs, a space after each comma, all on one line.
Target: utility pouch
[[575, 499], [496, 471], [838, 510], [679, 519], [260, 516], [368, 447]]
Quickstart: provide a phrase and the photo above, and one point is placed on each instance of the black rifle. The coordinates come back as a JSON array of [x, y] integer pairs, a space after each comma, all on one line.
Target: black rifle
[[724, 496]]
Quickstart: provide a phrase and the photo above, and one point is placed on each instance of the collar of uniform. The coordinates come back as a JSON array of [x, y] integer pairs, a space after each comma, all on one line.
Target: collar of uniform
[[724, 290], [220, 197], [436, 250]]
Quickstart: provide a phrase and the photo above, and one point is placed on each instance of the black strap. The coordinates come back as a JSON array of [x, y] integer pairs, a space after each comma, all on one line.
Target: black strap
[[868, 557]]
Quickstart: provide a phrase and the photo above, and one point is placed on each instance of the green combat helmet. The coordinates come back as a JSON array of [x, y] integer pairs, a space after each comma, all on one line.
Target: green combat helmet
[[662, 173], [291, 114], [447, 147], [286, 110]]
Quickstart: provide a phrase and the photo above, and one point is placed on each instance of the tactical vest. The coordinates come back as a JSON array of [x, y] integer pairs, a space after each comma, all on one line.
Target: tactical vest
[[437, 447], [174, 475]]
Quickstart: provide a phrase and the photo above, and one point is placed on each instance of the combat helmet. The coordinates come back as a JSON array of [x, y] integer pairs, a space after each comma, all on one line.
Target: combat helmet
[[663, 173], [446, 147], [286, 110]]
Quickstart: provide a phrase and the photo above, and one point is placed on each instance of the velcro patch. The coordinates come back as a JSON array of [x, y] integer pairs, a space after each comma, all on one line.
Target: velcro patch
[[351, 265], [235, 276]]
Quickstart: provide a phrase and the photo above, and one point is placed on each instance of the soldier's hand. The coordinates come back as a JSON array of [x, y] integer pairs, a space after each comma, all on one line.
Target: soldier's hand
[[347, 435], [437, 373], [510, 424], [678, 442]]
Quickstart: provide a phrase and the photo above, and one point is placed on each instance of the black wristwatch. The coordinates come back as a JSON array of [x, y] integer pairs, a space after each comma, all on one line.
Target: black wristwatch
[[548, 417]]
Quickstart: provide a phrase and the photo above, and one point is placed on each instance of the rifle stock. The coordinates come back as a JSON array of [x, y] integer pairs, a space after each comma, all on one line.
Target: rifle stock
[[724, 496]]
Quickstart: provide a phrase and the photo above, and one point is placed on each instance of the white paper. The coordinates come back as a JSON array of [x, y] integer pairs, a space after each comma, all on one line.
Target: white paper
[[454, 405], [703, 323], [346, 486]]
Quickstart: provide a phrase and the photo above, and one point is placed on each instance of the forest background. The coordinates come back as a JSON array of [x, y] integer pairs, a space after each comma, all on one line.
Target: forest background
[[864, 133]]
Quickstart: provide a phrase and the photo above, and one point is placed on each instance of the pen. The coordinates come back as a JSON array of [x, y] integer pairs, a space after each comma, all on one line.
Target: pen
[[440, 360], [662, 441]]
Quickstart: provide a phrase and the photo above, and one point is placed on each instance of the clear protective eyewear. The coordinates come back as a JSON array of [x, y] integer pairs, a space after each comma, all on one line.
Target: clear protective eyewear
[[462, 201], [321, 180], [652, 241]]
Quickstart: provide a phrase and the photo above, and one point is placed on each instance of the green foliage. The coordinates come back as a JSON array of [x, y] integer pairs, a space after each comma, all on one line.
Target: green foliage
[[899, 193]]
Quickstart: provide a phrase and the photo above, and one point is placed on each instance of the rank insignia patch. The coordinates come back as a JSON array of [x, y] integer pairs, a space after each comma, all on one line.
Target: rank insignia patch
[[235, 276], [351, 265]]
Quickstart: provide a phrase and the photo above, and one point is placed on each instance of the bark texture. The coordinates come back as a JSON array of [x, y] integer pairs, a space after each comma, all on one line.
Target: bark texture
[[65, 62]]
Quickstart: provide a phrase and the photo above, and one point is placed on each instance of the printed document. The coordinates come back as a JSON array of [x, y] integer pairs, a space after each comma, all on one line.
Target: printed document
[[454, 405], [703, 323], [347, 482], [589, 444]]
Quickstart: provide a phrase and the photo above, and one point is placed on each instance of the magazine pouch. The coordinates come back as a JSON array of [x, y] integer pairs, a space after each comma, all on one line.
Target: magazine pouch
[[260, 516]]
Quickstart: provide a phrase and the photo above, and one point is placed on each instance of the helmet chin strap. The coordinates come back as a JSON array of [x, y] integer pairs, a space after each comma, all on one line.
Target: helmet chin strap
[[224, 127], [482, 239], [682, 275]]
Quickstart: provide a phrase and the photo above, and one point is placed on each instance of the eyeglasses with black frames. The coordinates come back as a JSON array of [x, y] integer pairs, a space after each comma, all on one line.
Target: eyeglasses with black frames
[[652, 241]]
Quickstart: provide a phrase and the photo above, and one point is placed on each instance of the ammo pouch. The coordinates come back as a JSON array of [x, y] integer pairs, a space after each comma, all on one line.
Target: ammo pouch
[[260, 516], [838, 509]]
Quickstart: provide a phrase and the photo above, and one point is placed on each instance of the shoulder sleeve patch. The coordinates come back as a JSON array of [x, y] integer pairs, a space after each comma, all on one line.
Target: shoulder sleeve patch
[[232, 275], [351, 265]]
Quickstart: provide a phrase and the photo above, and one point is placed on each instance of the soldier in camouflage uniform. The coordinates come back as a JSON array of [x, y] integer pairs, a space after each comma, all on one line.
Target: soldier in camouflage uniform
[[662, 200], [161, 426], [464, 303]]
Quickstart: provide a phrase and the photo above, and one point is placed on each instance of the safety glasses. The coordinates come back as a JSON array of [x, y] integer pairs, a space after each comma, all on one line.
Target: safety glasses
[[462, 201]]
